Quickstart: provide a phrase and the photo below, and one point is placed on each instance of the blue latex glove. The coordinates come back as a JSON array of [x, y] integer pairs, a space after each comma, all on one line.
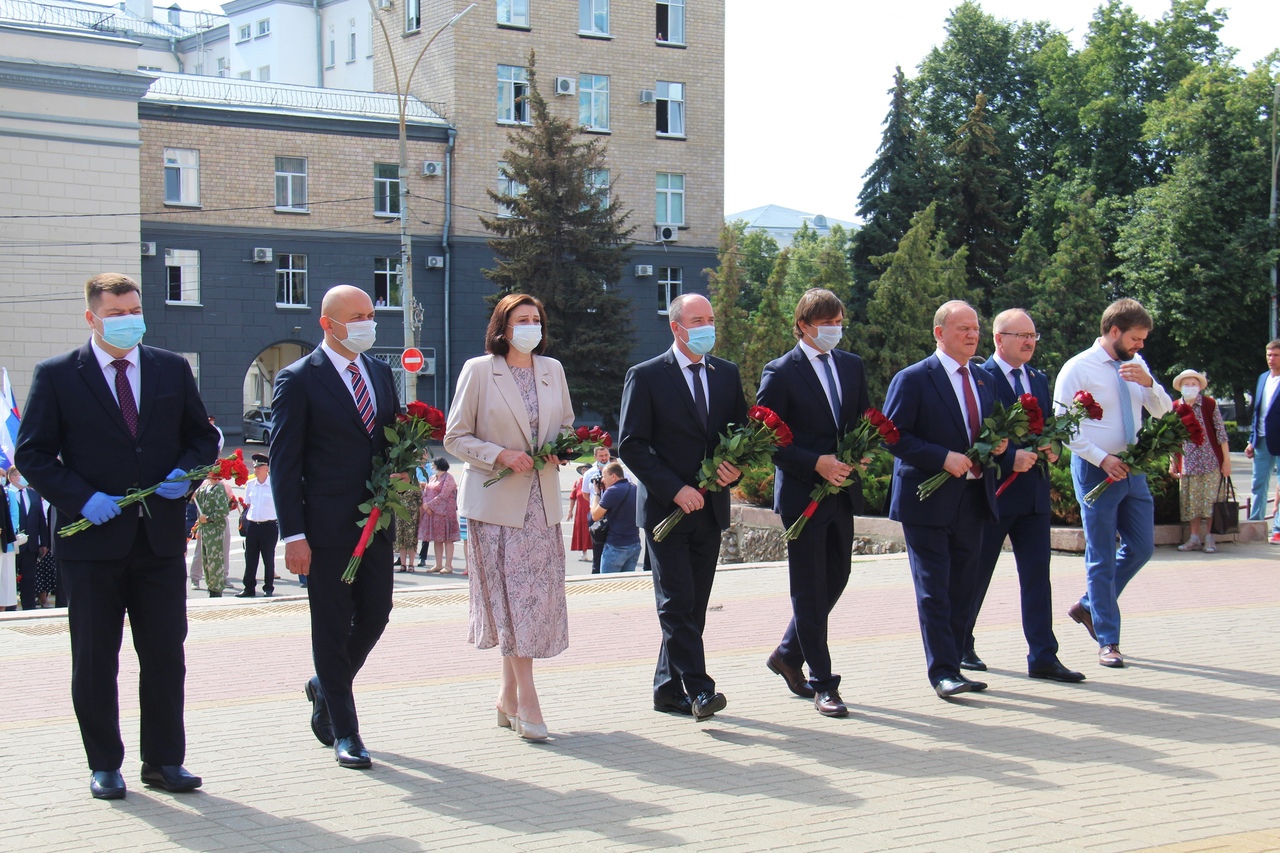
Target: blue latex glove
[[173, 490], [100, 508]]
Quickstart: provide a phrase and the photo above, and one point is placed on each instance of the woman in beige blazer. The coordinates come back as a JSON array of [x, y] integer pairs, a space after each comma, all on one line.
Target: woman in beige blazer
[[509, 403]]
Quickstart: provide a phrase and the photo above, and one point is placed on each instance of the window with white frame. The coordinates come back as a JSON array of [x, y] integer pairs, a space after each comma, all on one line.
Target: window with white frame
[[593, 101], [244, 33], [671, 21], [670, 285], [291, 183], [264, 74], [593, 17], [198, 69], [245, 75], [513, 94], [181, 176], [182, 275], [386, 189], [598, 183], [508, 186], [291, 280], [412, 15], [670, 108], [223, 66], [264, 28], [513, 13], [670, 202], [333, 50], [386, 283], [193, 358], [351, 40]]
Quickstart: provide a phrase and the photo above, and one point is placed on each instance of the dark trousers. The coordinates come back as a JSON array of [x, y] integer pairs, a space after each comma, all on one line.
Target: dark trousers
[[152, 590], [260, 541], [346, 622], [597, 550], [25, 565], [1029, 535], [818, 564], [684, 568], [944, 568]]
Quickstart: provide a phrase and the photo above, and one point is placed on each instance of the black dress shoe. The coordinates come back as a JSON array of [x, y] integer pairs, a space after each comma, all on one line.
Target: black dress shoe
[[949, 687], [794, 677], [321, 725], [973, 662], [706, 703], [106, 785], [267, 593], [682, 705], [829, 705], [174, 778], [246, 593], [350, 752], [1056, 672], [975, 686]]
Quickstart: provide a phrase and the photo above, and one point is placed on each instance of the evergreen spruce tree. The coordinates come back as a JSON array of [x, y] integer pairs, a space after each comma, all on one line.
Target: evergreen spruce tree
[[770, 326], [565, 242], [724, 285]]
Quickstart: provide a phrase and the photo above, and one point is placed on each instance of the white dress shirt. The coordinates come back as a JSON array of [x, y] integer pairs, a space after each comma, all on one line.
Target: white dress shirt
[[1008, 369], [341, 363], [684, 362], [262, 504], [815, 362], [133, 373], [953, 373], [1093, 371]]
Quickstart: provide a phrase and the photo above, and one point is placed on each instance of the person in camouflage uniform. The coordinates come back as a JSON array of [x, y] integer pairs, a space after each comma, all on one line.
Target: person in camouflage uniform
[[214, 500]]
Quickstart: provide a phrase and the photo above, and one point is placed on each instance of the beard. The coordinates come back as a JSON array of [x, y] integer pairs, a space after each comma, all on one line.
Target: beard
[[1122, 353]]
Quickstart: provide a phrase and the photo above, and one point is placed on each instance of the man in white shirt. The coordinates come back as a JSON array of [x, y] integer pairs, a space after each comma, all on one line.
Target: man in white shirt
[[1120, 382], [261, 530], [593, 487], [1264, 439]]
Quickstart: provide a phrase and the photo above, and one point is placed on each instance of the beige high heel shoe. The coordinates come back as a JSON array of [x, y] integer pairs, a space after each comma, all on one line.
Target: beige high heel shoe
[[505, 721], [531, 731]]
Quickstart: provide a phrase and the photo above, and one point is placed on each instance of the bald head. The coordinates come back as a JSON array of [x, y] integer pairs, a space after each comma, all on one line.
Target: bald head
[[340, 297], [342, 305]]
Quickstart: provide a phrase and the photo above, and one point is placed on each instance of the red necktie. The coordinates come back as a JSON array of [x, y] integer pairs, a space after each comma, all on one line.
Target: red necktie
[[124, 394], [363, 403], [975, 419]]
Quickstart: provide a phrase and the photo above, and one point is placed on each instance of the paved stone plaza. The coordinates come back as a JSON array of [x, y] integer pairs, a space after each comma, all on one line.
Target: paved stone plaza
[[1180, 751]]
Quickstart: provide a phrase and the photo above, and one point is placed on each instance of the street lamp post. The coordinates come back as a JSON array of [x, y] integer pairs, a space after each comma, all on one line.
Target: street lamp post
[[402, 102], [1275, 161]]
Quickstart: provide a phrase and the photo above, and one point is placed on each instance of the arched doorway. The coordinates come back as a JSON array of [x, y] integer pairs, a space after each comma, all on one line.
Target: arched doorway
[[258, 381]]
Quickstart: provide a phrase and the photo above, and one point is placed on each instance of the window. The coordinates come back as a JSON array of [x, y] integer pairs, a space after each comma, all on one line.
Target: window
[[223, 67], [386, 189], [181, 176], [182, 275], [513, 92], [264, 74], [671, 21], [598, 183], [244, 33], [245, 75], [508, 186], [593, 101], [670, 285], [412, 16], [291, 183], [193, 358], [593, 17], [351, 40], [198, 69], [513, 13], [291, 280], [670, 104], [386, 283], [670, 207], [264, 28], [333, 50]]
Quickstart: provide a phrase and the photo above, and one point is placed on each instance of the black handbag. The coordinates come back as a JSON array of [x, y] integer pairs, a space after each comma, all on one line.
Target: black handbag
[[600, 529], [1226, 509], [243, 525]]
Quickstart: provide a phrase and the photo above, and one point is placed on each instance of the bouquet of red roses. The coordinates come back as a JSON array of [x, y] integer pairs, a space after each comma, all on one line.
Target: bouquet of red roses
[[742, 446], [569, 444], [854, 446], [1002, 423], [230, 468], [1055, 430], [1157, 439], [407, 440]]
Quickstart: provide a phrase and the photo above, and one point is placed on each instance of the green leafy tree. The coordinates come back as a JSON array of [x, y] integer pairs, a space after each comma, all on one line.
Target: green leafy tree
[[770, 326], [724, 285], [1025, 270], [757, 252], [564, 242], [823, 262], [980, 202]]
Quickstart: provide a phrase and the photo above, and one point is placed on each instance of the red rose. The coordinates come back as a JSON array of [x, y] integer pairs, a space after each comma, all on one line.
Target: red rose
[[1035, 417], [772, 421], [595, 432], [782, 433], [435, 418], [875, 416], [1090, 406], [606, 440], [582, 433], [758, 413], [417, 409]]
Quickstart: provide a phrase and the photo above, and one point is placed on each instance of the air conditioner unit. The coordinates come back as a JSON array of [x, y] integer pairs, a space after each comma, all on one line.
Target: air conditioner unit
[[435, 262], [666, 233], [566, 86], [431, 168], [148, 250], [428, 366], [648, 96], [263, 256], [643, 270]]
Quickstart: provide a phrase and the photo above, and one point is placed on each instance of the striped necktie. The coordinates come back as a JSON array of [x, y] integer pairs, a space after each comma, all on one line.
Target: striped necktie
[[363, 403]]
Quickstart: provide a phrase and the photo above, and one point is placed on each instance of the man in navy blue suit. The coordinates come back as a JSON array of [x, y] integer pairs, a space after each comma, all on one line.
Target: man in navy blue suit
[[328, 422], [101, 420], [1264, 439], [821, 393], [1024, 507], [938, 405]]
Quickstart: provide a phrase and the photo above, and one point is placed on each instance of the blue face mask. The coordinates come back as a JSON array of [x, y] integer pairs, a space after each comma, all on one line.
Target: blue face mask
[[123, 332], [702, 339]]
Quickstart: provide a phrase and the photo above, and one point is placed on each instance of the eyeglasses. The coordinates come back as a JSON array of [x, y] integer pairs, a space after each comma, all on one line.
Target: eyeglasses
[[1025, 336]]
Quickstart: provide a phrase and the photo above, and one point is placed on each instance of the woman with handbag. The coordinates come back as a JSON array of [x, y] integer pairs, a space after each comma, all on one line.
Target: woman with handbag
[[617, 506], [1200, 468]]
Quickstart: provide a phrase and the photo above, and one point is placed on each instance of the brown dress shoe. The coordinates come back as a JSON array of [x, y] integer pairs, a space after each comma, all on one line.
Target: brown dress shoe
[[1079, 613], [1109, 655], [829, 705], [796, 682]]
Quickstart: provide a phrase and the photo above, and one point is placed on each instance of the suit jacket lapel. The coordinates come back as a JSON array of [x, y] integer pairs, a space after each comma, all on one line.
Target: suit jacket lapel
[[848, 390], [677, 377], [149, 381], [97, 382], [510, 394], [1003, 391], [384, 392], [546, 401], [336, 385], [942, 384], [808, 372]]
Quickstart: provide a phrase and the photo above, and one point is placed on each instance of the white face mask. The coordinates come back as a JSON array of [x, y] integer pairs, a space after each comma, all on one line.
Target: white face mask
[[526, 337], [360, 334], [827, 338], [1190, 390]]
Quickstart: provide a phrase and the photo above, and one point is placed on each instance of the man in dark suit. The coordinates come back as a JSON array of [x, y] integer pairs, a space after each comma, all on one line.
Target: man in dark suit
[[32, 523], [674, 407], [821, 393], [1024, 507], [938, 405], [330, 412], [1264, 439], [101, 420]]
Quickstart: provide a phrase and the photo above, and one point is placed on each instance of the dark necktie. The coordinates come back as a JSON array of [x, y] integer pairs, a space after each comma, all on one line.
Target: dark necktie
[[699, 396], [833, 390], [363, 403], [1018, 387], [124, 394], [975, 419]]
